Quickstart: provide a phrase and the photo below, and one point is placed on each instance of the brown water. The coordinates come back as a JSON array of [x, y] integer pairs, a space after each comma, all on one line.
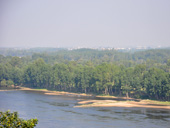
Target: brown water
[[59, 112]]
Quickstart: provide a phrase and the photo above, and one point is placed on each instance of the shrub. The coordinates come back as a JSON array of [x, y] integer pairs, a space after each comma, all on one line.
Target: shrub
[[11, 120]]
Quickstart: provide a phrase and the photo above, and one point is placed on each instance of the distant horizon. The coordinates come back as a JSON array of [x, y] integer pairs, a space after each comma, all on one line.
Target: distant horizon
[[79, 47]]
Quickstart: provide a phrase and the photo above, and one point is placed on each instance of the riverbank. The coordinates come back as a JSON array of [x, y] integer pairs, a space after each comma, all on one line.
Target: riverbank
[[9, 88], [116, 103], [49, 92], [105, 101]]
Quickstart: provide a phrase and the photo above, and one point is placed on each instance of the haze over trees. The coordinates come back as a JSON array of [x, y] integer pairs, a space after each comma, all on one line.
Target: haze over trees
[[143, 74]]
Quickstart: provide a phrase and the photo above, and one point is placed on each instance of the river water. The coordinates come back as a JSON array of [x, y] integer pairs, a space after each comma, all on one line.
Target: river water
[[59, 112]]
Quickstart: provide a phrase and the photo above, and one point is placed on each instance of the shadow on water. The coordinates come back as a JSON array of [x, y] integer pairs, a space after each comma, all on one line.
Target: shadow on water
[[141, 113], [103, 117], [162, 117], [54, 103], [72, 112], [104, 110], [59, 104]]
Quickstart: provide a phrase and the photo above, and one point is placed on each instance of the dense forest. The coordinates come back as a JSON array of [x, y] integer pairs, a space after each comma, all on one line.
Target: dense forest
[[141, 74]]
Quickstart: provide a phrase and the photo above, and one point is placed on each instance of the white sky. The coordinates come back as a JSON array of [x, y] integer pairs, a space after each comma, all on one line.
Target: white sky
[[87, 23]]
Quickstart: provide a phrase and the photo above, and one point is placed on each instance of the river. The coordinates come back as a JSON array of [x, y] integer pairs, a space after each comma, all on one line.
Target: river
[[59, 112]]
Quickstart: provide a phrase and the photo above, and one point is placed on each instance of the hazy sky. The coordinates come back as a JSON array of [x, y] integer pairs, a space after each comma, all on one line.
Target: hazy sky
[[87, 23]]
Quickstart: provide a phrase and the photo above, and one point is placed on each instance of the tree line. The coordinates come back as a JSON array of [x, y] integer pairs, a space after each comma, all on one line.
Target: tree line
[[57, 55], [139, 81]]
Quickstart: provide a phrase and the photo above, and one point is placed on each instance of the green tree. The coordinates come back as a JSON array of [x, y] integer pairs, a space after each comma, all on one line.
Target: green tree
[[38, 74], [85, 77], [156, 83], [3, 83], [9, 83], [11, 120], [16, 61], [137, 83], [168, 62], [127, 81]]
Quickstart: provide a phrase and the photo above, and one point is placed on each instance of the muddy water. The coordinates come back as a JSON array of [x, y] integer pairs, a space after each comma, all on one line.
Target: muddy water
[[59, 112]]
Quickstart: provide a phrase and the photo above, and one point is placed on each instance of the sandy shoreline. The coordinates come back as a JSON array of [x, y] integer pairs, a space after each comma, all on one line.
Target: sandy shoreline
[[128, 104], [48, 92], [103, 101]]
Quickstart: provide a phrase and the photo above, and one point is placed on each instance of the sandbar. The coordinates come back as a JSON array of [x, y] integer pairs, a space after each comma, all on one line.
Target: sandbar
[[104, 101]]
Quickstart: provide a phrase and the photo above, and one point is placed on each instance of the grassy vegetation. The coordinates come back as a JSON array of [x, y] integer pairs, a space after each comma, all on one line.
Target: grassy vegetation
[[160, 102], [157, 102], [40, 89]]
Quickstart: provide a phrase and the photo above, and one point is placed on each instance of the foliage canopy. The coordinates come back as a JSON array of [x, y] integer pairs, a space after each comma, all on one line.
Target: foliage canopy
[[11, 120]]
